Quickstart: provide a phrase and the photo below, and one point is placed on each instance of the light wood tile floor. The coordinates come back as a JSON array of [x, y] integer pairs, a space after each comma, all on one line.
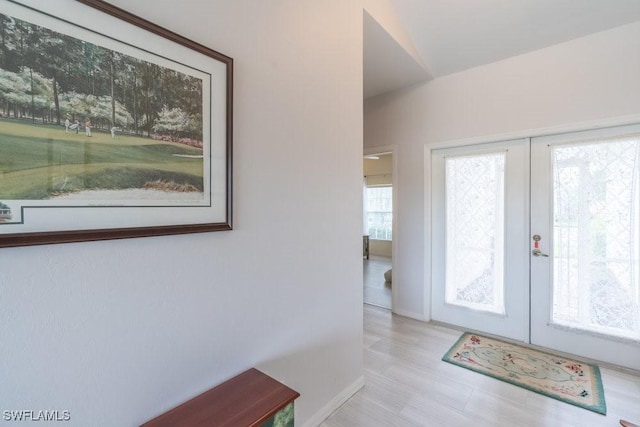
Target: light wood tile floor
[[406, 384]]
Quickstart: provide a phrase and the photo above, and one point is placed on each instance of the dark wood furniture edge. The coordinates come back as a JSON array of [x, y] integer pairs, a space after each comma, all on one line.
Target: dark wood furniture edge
[[247, 399]]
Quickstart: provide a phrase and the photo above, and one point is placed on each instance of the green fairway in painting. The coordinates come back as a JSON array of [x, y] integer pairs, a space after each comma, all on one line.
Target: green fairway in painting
[[37, 162]]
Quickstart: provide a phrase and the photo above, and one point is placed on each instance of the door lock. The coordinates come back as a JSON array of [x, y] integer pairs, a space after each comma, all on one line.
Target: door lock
[[536, 250]]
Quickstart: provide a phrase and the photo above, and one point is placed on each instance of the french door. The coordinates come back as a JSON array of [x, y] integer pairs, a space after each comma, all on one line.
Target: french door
[[570, 263], [480, 230], [585, 206]]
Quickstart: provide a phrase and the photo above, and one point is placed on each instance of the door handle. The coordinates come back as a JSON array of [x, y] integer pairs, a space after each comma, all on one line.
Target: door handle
[[538, 252]]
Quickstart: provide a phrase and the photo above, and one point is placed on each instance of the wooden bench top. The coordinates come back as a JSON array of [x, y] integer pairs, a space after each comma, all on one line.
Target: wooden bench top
[[248, 399]]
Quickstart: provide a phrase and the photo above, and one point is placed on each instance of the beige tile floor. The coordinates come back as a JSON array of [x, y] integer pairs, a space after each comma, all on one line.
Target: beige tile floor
[[376, 291], [406, 384]]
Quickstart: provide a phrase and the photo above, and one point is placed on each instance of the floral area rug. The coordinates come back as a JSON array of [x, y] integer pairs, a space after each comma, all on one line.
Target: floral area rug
[[564, 379]]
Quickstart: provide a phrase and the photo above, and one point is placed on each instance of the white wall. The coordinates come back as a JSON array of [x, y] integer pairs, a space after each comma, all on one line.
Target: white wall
[[118, 332], [383, 12], [590, 80]]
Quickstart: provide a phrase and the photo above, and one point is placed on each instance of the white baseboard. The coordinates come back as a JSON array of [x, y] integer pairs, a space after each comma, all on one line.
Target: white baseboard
[[411, 315], [335, 403]]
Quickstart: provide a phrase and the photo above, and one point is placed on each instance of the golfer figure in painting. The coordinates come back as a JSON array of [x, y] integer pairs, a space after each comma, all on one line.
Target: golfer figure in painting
[[67, 123], [113, 132], [75, 126], [87, 127]]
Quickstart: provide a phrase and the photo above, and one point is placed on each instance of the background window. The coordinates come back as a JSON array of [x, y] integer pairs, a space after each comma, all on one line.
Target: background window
[[379, 212]]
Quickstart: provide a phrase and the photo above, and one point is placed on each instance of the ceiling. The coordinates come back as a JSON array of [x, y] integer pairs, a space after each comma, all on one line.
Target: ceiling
[[454, 35]]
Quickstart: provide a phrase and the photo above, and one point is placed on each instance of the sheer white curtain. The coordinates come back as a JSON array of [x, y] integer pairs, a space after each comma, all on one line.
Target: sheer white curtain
[[475, 193], [596, 219]]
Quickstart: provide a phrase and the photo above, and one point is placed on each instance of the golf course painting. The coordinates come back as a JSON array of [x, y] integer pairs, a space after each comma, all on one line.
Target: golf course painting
[[91, 124]]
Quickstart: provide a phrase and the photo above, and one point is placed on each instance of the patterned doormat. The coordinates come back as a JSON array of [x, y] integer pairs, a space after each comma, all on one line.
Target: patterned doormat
[[564, 379]]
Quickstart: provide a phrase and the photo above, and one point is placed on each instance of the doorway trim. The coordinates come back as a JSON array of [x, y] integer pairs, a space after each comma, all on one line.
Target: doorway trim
[[631, 119], [391, 149]]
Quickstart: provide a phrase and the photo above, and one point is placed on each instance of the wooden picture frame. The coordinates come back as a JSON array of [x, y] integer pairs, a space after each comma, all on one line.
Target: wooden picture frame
[[111, 127]]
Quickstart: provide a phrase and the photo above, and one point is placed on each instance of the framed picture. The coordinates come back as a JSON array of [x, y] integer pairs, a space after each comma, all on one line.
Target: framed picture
[[110, 126]]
